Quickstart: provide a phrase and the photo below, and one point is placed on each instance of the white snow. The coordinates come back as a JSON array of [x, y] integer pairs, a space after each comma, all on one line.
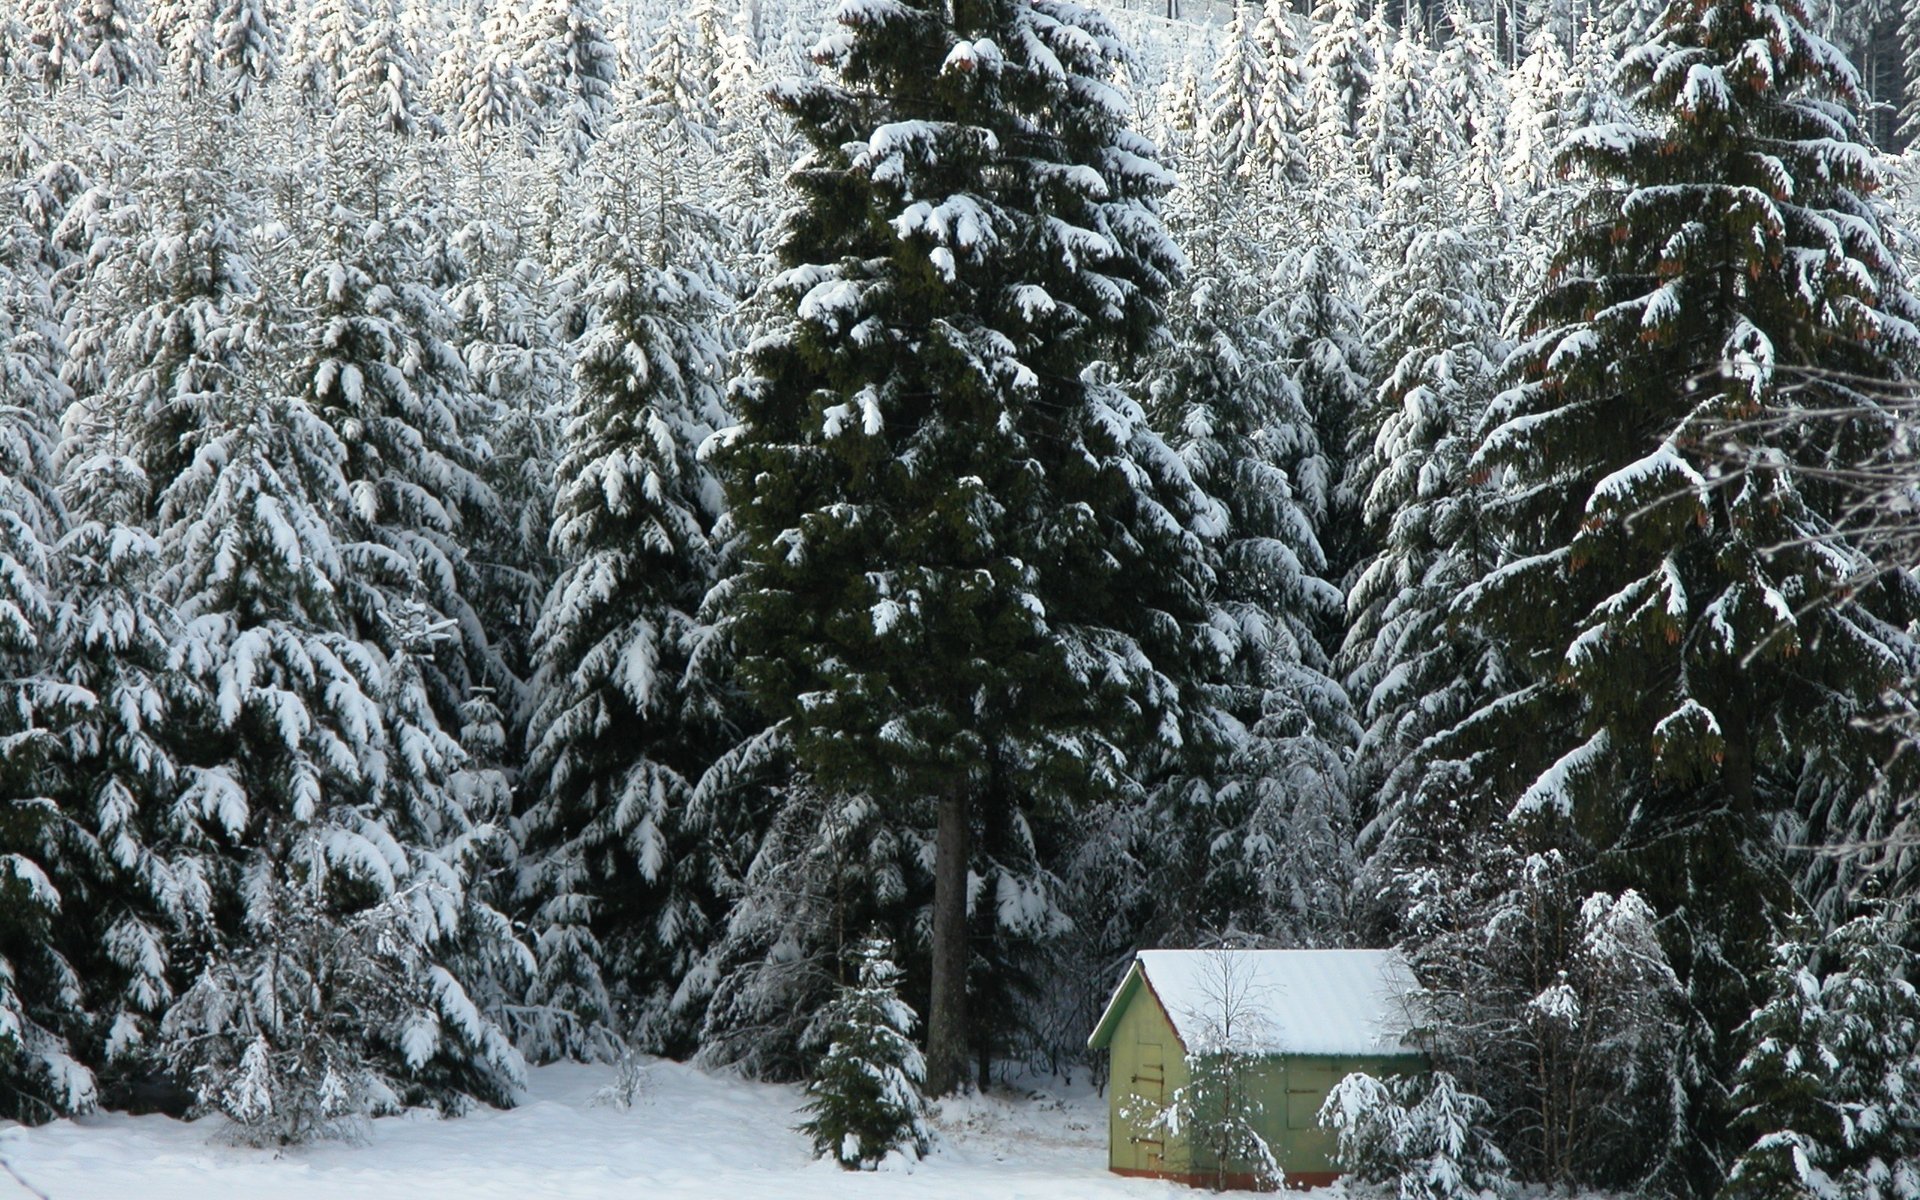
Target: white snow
[[1310, 1001], [688, 1134]]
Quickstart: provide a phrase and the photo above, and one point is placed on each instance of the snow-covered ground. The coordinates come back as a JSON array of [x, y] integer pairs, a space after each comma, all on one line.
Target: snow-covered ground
[[688, 1134]]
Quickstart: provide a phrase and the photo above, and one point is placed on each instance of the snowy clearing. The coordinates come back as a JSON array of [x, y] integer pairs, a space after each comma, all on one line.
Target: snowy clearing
[[689, 1134]]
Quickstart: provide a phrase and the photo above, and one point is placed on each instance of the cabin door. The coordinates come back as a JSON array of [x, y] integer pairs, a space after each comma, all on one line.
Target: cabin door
[[1149, 1084]]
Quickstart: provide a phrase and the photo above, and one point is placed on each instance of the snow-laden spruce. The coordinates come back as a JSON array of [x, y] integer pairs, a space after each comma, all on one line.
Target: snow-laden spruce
[[630, 705], [1420, 1133], [973, 576], [324, 829], [1829, 1089], [1677, 587], [1259, 788], [864, 1103], [42, 1000], [1433, 321]]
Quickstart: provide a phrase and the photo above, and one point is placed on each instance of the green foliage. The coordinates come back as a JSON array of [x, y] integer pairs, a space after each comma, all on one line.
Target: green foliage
[[1698, 650], [864, 1099], [969, 567], [1829, 1090], [1421, 1133]]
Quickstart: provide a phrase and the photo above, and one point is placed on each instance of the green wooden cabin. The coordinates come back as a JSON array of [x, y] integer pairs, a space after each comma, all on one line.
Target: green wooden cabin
[[1312, 1017]]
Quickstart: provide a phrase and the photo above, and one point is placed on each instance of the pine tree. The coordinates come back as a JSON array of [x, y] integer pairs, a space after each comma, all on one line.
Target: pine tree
[[1629, 25], [381, 369], [246, 39], [629, 709], [1830, 1089], [570, 65], [1690, 664], [1469, 83], [864, 1100], [1339, 69], [755, 146], [1433, 322], [1282, 102], [1322, 323], [974, 229], [1556, 1005], [1262, 785], [145, 861], [320, 43], [486, 84], [1910, 44], [1396, 121], [1423, 1134], [506, 303], [184, 32], [319, 983], [42, 997]]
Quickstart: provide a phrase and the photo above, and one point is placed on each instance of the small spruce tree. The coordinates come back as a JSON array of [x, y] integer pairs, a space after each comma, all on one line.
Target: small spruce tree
[[865, 1099]]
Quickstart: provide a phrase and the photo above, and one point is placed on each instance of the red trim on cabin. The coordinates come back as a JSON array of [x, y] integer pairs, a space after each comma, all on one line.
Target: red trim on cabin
[[1237, 1181]]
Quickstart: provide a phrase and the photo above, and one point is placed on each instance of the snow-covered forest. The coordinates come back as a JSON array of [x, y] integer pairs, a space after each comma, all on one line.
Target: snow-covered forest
[[553, 530]]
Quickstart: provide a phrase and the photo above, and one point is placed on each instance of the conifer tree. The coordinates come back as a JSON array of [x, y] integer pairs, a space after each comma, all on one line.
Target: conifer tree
[[1339, 69], [629, 709], [320, 43], [974, 229], [1261, 787], [340, 843], [1910, 45], [570, 65], [42, 997], [487, 86], [183, 31], [1282, 103], [145, 861], [1830, 1090], [506, 304], [864, 1100], [1695, 654], [381, 368]]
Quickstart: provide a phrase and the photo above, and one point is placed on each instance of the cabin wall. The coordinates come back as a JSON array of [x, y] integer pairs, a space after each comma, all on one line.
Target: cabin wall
[[1147, 1065], [1291, 1090]]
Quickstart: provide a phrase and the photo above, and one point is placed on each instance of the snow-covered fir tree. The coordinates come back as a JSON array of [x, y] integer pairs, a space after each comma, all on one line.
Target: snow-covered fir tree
[[146, 860], [1434, 325], [630, 709], [1261, 793], [974, 228], [381, 368], [864, 1101], [1659, 606], [1422, 1134], [1338, 69], [333, 884], [569, 63], [42, 996], [1829, 1091]]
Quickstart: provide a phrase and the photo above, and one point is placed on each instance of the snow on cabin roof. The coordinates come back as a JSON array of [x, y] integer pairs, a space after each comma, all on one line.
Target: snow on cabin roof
[[1344, 1002]]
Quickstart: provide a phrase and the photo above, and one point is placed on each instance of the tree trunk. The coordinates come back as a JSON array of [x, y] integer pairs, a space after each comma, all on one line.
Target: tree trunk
[[947, 1011]]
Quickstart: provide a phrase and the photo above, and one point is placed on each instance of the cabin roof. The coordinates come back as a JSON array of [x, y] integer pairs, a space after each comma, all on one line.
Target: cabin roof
[[1322, 1002]]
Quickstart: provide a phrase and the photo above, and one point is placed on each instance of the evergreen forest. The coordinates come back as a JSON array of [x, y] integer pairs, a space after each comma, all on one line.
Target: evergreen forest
[[767, 532]]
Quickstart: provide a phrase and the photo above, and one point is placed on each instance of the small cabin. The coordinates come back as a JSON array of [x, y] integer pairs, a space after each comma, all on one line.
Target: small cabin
[[1310, 1018]]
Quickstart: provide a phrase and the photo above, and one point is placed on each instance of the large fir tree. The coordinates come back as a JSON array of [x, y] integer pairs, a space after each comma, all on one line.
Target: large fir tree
[[972, 574], [1697, 654], [630, 710]]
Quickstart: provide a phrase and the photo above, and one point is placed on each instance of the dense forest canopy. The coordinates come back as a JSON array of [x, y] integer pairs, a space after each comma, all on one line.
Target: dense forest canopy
[[802, 535]]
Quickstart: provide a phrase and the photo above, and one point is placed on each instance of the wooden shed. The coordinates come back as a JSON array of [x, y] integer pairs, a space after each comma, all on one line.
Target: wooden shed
[[1317, 1016]]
